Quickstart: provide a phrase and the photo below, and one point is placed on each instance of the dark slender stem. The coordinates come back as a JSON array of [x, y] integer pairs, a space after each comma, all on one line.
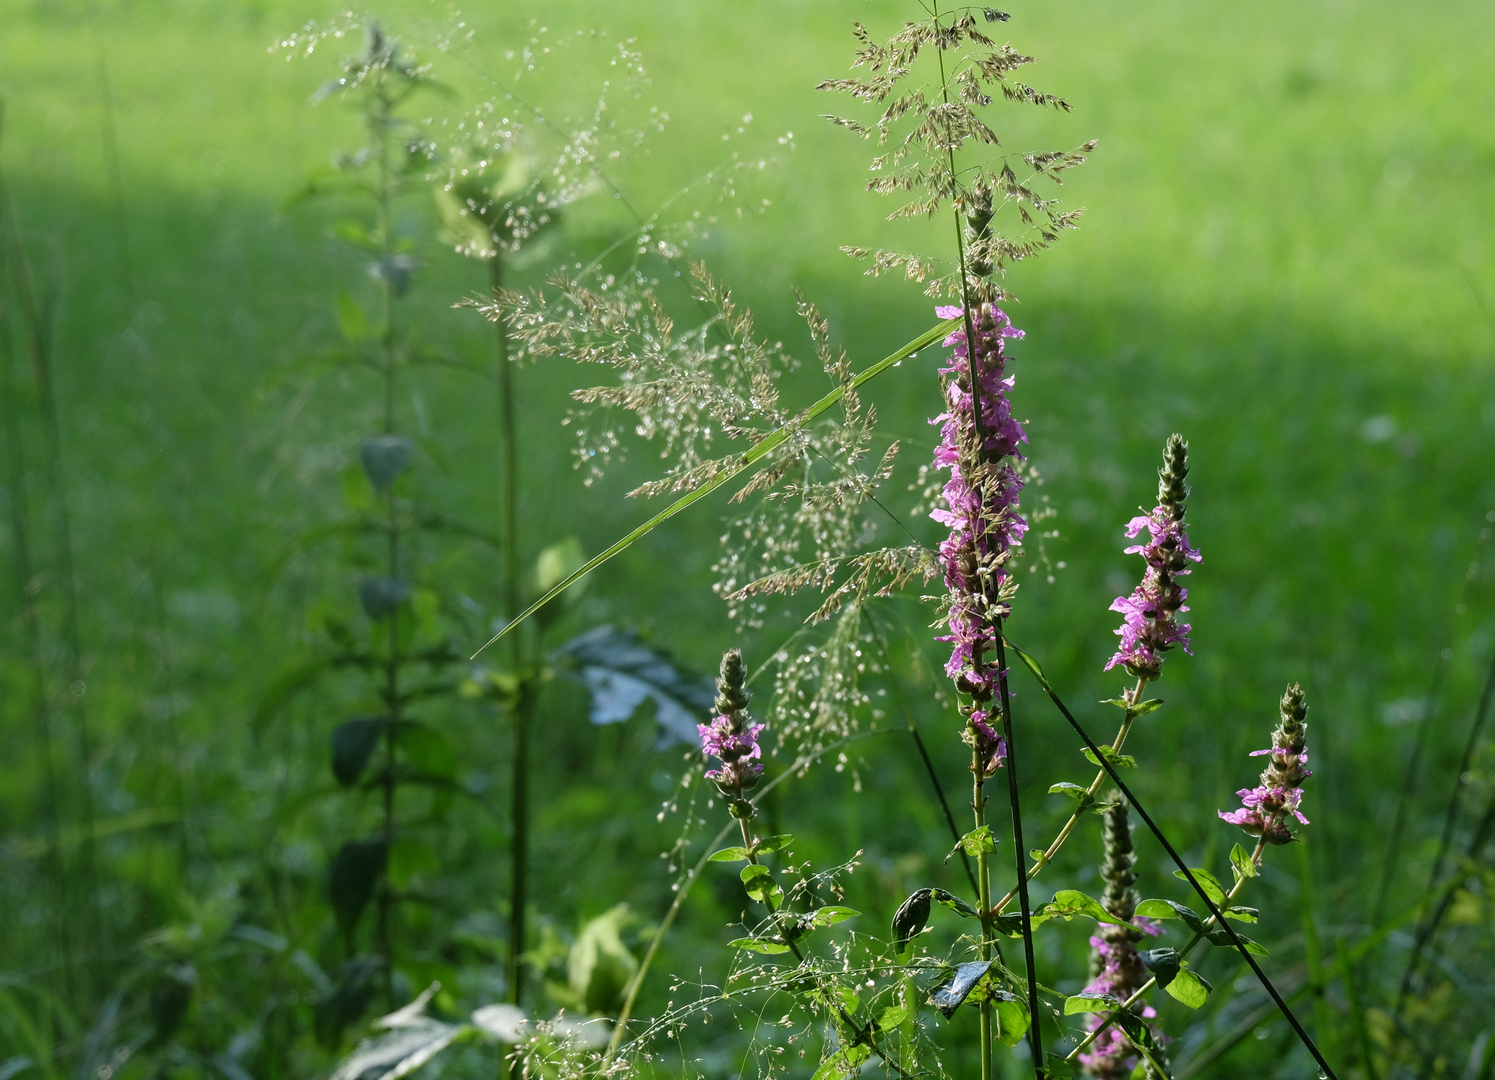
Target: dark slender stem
[[1035, 1034], [524, 705], [1183, 867], [1450, 818], [934, 778]]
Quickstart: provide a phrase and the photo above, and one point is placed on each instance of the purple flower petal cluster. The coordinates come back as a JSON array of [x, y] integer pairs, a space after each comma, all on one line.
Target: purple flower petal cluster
[[1150, 625], [981, 507], [1265, 809], [732, 737], [1116, 966], [735, 744]]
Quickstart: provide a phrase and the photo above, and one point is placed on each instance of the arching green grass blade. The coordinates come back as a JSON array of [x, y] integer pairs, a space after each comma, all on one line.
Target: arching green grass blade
[[758, 450]]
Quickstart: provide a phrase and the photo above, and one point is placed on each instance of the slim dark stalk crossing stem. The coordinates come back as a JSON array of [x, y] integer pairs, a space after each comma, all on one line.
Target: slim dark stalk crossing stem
[[1188, 874], [1035, 1033]]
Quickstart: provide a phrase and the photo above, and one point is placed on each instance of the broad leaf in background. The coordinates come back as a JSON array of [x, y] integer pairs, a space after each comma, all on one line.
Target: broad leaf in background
[[622, 673]]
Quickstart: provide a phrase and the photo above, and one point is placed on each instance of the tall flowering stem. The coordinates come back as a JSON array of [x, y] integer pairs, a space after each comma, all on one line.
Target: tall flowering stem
[[732, 738], [1267, 809], [1150, 625], [1168, 556], [981, 446], [1116, 966], [1265, 814]]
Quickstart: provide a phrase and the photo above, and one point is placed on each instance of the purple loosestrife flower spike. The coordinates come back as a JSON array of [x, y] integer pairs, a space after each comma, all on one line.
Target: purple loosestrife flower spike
[[1116, 968], [1265, 810], [981, 511], [1150, 625], [732, 737]]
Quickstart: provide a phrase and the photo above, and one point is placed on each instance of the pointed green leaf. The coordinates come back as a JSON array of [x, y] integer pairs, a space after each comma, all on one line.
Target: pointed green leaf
[[1117, 761], [729, 854], [1089, 1003], [351, 319], [1165, 964], [1207, 881], [1013, 1022], [831, 914], [758, 945], [770, 844], [1189, 988], [1242, 863]]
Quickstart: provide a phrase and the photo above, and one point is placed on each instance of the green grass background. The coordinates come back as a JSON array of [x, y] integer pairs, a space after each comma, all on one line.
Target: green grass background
[[1286, 256]]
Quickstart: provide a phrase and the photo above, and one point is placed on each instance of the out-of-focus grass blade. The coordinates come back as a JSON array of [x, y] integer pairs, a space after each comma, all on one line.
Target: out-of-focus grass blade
[[755, 453]]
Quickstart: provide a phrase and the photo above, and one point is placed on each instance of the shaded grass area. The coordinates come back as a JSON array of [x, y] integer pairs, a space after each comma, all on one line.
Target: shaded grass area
[[1285, 259]]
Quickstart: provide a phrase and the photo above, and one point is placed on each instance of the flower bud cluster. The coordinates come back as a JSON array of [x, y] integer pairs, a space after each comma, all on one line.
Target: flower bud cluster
[[732, 738], [1150, 625], [981, 510], [1265, 809], [1116, 966]]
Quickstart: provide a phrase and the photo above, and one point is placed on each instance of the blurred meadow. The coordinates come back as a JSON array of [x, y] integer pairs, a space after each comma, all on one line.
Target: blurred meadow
[[1286, 256]]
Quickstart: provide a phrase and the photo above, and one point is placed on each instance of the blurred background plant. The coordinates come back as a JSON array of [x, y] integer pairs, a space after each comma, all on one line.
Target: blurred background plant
[[1286, 255]]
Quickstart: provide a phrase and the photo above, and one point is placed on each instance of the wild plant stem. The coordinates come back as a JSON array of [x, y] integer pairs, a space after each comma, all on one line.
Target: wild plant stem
[[524, 705], [690, 879], [1182, 953], [1035, 1032], [862, 1034], [1049, 852], [983, 897], [384, 931]]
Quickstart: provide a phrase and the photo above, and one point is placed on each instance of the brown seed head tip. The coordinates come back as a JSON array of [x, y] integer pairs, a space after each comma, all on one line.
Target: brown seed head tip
[[731, 697], [1172, 491]]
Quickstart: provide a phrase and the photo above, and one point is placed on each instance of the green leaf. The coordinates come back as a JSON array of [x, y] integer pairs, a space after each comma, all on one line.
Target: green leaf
[[758, 945], [845, 1060], [1074, 791], [1163, 963], [1168, 909], [1068, 903], [1116, 761], [427, 748], [1120, 703], [830, 915], [352, 877], [1089, 1003], [1241, 863], [911, 918], [353, 743], [1207, 881], [1013, 1021], [759, 883], [1242, 914], [384, 457], [729, 854], [893, 1016], [599, 966], [770, 844], [351, 319], [849, 999], [954, 903], [1189, 988], [354, 232], [763, 447], [977, 841], [1145, 707]]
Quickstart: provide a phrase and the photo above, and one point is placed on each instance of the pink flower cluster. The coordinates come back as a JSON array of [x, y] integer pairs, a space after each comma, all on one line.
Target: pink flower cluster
[[1264, 810], [981, 495], [1150, 625], [734, 743], [1121, 975]]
